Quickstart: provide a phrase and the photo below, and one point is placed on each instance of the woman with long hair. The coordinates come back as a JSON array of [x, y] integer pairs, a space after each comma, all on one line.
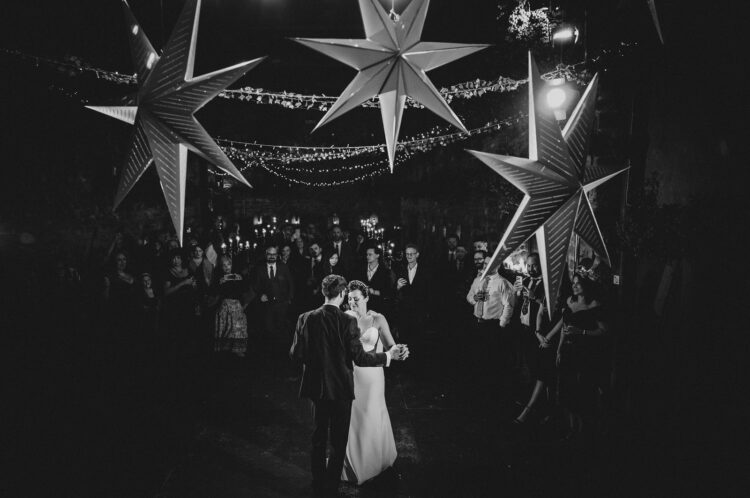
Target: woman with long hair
[[583, 326]]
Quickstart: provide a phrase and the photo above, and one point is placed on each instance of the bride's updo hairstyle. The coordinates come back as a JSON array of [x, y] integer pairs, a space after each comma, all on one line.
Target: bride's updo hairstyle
[[358, 285], [332, 286]]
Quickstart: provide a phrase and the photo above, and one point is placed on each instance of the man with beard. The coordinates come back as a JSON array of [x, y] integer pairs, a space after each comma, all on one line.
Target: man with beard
[[492, 297], [274, 285]]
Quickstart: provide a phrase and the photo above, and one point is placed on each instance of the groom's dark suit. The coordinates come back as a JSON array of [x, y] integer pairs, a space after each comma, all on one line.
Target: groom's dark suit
[[326, 342]]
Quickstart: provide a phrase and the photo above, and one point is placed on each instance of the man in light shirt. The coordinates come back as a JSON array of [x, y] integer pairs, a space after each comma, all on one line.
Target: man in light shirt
[[492, 297]]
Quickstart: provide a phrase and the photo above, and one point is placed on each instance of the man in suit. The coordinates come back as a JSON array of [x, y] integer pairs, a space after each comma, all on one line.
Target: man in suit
[[316, 270], [339, 246], [447, 256], [274, 284], [530, 294], [378, 278], [413, 286], [326, 342]]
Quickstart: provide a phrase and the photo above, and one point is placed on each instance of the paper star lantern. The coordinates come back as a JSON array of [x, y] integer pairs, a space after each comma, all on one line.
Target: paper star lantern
[[555, 181], [392, 62], [163, 110]]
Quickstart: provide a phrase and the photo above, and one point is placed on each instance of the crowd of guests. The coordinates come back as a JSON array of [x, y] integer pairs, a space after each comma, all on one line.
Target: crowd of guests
[[563, 357], [205, 299]]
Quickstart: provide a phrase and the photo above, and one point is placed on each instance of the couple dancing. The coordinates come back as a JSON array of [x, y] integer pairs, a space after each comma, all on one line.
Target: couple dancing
[[336, 349]]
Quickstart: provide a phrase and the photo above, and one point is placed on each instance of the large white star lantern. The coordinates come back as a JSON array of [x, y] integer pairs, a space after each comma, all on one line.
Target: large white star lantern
[[555, 181], [392, 62], [163, 110]]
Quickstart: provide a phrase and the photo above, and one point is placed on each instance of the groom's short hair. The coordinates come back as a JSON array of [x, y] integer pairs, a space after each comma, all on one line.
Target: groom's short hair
[[332, 286]]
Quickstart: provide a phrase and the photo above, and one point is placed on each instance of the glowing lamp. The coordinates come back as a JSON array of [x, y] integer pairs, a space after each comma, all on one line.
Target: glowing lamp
[[556, 97], [565, 34]]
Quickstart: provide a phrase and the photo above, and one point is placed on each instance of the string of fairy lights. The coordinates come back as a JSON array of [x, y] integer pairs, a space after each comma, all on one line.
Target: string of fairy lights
[[293, 163], [423, 142], [282, 167], [292, 100]]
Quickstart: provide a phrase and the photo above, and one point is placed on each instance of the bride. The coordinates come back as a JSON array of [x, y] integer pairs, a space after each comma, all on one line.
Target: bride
[[371, 448]]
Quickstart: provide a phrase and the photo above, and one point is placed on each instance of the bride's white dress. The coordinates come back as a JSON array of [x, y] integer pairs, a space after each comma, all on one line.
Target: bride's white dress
[[371, 448]]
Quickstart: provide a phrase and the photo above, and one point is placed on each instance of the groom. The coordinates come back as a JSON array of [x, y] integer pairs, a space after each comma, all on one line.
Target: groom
[[326, 342]]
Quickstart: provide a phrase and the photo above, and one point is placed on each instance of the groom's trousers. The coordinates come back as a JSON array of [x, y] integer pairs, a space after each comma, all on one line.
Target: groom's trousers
[[333, 414]]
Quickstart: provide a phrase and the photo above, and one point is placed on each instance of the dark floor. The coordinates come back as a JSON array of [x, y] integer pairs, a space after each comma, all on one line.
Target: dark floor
[[112, 424]]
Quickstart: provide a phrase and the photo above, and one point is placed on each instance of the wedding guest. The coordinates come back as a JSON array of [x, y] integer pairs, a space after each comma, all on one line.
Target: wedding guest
[[300, 250], [492, 298], [286, 253], [529, 292], [148, 305], [541, 362], [120, 244], [447, 258], [216, 237], [583, 325], [457, 281], [315, 273], [480, 244], [414, 296], [230, 331], [333, 266], [341, 249], [299, 266], [119, 292], [180, 304], [274, 286], [378, 278], [201, 268], [359, 246]]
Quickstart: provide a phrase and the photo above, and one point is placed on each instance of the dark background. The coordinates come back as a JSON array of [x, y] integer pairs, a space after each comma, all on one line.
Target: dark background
[[675, 110]]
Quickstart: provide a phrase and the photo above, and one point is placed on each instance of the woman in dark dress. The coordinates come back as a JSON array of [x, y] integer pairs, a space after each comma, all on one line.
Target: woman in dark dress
[[583, 325], [541, 360], [119, 294], [147, 304], [180, 305]]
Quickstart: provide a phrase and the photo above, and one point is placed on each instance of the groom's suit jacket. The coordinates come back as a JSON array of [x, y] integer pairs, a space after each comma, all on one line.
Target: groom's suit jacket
[[326, 341]]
